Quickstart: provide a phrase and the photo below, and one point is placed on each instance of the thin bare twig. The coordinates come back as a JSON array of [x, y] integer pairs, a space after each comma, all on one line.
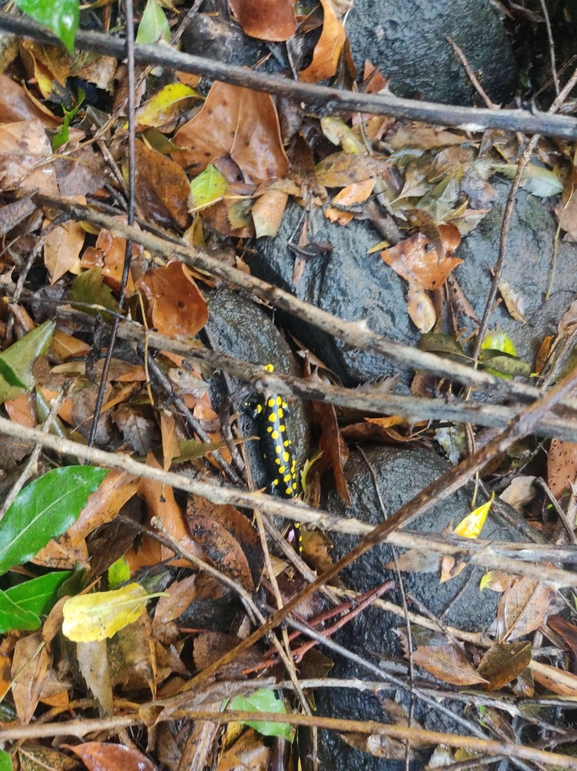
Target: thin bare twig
[[551, 46], [471, 75]]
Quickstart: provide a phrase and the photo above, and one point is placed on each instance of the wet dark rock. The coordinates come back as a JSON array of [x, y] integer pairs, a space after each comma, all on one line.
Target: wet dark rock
[[528, 269], [407, 41], [354, 285], [401, 474], [238, 327], [349, 283]]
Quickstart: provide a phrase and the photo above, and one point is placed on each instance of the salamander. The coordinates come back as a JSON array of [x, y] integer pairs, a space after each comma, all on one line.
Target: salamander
[[276, 450]]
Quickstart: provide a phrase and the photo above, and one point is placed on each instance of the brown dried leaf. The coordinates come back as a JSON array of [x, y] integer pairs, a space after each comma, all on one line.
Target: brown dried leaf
[[222, 549], [62, 248], [334, 450], [162, 188], [102, 756], [343, 169], [16, 105], [420, 308], [176, 305], [272, 20], [377, 745], [30, 665], [565, 629], [522, 608], [180, 596], [567, 209], [504, 662], [557, 681], [561, 466], [237, 122], [421, 136], [267, 212], [414, 259], [448, 663], [514, 303], [104, 504], [25, 158], [328, 49]]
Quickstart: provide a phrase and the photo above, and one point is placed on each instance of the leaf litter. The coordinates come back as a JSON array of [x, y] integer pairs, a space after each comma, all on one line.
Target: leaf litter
[[216, 162]]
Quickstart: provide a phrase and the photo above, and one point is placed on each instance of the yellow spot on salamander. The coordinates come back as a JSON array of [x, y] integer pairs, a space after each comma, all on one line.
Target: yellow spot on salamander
[[287, 443], [258, 409], [278, 450], [277, 461], [272, 417], [289, 491], [285, 455], [279, 401], [286, 478], [282, 428], [271, 402], [282, 469], [275, 434], [275, 483], [280, 413], [285, 405], [269, 367], [269, 429]]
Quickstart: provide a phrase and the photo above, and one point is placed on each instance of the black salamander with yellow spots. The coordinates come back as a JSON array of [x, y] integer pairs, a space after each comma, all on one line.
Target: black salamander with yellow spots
[[276, 450]]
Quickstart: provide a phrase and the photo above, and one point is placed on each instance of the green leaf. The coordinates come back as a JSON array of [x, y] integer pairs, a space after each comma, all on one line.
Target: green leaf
[[499, 341], [442, 345], [89, 287], [17, 361], [44, 510], [264, 701], [206, 189], [154, 24], [503, 365], [5, 761], [61, 16], [40, 594], [12, 616], [118, 573], [62, 136]]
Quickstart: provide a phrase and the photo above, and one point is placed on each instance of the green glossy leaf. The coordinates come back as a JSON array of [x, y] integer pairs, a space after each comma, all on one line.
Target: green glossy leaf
[[89, 287], [44, 510], [13, 616], [206, 189], [118, 573], [39, 595], [61, 16], [17, 361], [264, 701], [5, 761], [154, 24]]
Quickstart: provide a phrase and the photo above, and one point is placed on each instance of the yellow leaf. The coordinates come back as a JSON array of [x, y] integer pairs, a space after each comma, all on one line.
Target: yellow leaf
[[471, 526], [161, 108], [97, 616]]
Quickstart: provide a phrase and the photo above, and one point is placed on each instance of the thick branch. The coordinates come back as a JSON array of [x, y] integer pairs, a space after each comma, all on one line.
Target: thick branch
[[327, 100]]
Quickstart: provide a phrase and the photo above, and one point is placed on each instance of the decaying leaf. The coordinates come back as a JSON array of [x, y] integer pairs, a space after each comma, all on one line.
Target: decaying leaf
[[161, 188], [522, 608], [98, 756], [420, 308], [472, 524], [237, 122], [176, 305], [165, 106], [448, 663], [415, 259], [503, 662], [561, 466], [30, 664]]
